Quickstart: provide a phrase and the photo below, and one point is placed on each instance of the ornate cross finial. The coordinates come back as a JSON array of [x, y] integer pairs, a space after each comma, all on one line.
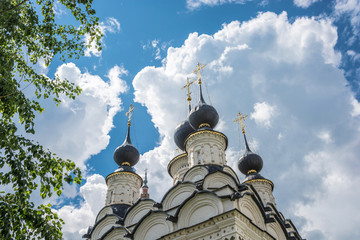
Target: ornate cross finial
[[129, 113], [241, 118], [198, 69], [187, 85]]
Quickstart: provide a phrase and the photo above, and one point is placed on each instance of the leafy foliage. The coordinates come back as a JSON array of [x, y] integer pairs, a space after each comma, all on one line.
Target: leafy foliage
[[29, 34]]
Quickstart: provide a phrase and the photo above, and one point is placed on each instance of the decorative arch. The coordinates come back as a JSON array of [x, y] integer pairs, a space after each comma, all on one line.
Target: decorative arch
[[103, 226], [153, 226], [218, 180], [199, 208], [138, 211], [104, 211], [177, 195], [116, 233], [229, 170], [275, 230], [249, 208], [195, 174]]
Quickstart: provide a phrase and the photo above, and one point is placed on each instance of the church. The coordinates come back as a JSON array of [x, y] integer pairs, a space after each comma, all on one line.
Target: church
[[207, 199]]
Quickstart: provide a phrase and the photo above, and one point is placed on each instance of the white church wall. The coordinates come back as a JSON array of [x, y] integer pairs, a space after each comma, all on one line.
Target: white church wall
[[218, 180], [153, 226], [178, 166], [103, 212], [177, 195], [264, 189], [137, 212], [274, 229], [123, 188], [206, 147], [199, 208], [116, 234], [195, 174], [249, 208], [103, 226], [232, 173]]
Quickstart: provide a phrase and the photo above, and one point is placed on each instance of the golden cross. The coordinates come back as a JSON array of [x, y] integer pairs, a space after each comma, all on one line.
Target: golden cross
[[129, 113], [198, 69], [241, 119], [187, 85]]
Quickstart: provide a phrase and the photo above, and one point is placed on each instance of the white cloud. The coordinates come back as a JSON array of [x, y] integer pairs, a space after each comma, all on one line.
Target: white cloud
[[194, 4], [267, 59], [58, 8], [78, 129], [338, 194], [158, 47], [325, 136], [353, 55], [263, 112], [350, 8], [79, 218], [356, 107], [304, 3], [154, 44], [111, 25]]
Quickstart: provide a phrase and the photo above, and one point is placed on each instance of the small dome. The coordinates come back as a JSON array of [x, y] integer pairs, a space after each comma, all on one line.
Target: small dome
[[182, 131], [126, 154], [203, 115], [250, 162]]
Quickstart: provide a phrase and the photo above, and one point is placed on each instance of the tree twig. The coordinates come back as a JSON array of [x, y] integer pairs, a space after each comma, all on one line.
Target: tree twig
[[16, 6]]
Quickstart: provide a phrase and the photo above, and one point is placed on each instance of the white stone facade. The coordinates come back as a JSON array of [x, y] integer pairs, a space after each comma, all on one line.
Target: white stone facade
[[206, 147], [264, 188], [123, 188], [178, 166]]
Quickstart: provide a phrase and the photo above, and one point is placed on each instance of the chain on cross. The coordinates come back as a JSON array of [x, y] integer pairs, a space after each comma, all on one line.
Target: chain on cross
[[129, 113], [241, 119], [198, 69]]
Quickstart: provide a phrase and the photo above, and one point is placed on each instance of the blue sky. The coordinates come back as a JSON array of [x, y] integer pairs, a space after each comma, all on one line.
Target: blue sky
[[292, 66]]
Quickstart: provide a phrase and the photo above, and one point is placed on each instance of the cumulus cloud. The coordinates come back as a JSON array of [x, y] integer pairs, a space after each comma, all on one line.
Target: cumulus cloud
[[337, 184], [271, 62], [304, 3], [263, 112], [111, 25], [78, 129], [79, 218]]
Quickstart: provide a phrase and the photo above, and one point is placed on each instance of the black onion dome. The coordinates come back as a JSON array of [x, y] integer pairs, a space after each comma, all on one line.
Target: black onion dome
[[203, 115], [182, 131], [126, 154], [250, 162]]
